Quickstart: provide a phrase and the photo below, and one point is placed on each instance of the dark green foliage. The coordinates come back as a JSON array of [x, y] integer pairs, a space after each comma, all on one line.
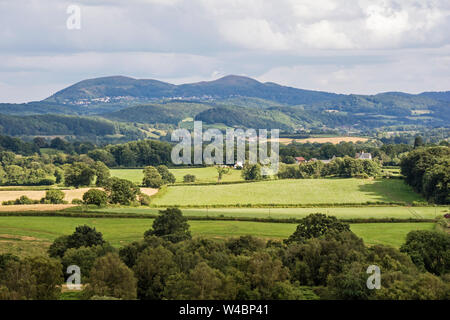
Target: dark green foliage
[[112, 278], [426, 170], [170, 225], [429, 250], [33, 278], [54, 196], [17, 146], [251, 172], [19, 201], [95, 196], [317, 225], [79, 174], [244, 244], [121, 191], [102, 173], [152, 177], [152, 270], [189, 178], [84, 236], [141, 153], [166, 175]]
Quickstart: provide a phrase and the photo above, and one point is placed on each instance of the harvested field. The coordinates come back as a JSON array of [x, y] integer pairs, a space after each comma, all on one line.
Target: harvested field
[[35, 207], [71, 194], [333, 140]]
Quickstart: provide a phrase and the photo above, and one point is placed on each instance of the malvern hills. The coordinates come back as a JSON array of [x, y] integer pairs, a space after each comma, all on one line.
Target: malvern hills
[[120, 104]]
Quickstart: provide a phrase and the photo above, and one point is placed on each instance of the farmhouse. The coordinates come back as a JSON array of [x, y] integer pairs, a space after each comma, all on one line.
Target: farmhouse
[[363, 156], [300, 159]]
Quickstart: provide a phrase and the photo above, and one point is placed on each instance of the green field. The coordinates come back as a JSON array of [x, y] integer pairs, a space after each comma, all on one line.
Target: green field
[[365, 212], [26, 232], [291, 192], [203, 175]]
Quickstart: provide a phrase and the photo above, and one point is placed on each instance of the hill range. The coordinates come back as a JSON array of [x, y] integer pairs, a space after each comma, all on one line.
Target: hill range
[[233, 101]]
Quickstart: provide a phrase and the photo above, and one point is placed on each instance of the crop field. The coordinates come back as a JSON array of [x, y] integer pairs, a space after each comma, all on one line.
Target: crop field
[[366, 212], [70, 194], [203, 175], [291, 192], [23, 235]]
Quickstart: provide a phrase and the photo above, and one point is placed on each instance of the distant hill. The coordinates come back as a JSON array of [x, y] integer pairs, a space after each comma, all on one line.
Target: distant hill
[[119, 88], [234, 101]]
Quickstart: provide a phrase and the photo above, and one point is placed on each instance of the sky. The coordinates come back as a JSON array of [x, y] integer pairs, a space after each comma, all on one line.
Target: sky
[[354, 46]]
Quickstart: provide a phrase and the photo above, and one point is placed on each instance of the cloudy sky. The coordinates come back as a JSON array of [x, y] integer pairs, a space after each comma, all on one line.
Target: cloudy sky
[[354, 46]]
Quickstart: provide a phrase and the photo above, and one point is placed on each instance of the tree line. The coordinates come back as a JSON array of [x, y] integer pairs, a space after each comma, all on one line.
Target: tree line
[[322, 259], [345, 167], [427, 171]]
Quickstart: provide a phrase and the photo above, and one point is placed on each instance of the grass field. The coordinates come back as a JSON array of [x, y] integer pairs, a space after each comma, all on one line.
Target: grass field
[[31, 235], [204, 175], [289, 192], [285, 213]]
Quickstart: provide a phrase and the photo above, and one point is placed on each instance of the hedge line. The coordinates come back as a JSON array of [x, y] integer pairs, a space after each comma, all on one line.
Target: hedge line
[[198, 218], [298, 205]]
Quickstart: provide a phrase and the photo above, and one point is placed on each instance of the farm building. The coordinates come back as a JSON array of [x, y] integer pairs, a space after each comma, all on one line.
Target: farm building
[[300, 159]]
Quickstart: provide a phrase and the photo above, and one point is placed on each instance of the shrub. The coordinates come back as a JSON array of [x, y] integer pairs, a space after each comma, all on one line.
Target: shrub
[[189, 178], [19, 201], [54, 196], [152, 178], [47, 182], [95, 196], [144, 199], [166, 175], [77, 201]]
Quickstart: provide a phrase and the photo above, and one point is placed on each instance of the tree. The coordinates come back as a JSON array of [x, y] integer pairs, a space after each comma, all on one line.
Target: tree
[[102, 155], [418, 142], [221, 171], [79, 174], [121, 191], [54, 196], [170, 225], [85, 236], [102, 173], [429, 250], [40, 142], [83, 257], [153, 268], [189, 178], [166, 175], [316, 225], [111, 277], [58, 247], [152, 178], [95, 196], [35, 278], [251, 171]]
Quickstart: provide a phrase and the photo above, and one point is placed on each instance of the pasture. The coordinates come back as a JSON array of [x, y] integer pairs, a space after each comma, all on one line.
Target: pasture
[[203, 175], [366, 212], [290, 192], [31, 235]]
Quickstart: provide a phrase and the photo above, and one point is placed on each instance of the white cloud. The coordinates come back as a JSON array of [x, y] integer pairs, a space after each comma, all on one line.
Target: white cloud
[[184, 40]]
